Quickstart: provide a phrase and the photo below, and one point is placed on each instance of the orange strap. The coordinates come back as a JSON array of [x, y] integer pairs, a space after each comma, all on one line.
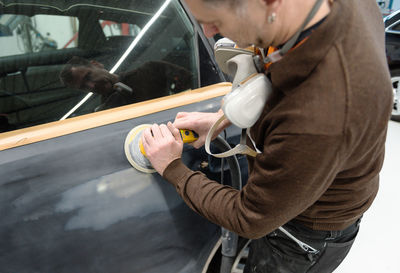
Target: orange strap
[[272, 49]]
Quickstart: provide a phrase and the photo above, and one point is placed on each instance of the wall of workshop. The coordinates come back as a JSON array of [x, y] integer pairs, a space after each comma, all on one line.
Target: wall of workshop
[[54, 28], [396, 5], [388, 6]]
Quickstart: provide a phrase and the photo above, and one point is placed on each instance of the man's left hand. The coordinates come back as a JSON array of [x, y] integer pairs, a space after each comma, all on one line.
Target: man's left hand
[[162, 144]]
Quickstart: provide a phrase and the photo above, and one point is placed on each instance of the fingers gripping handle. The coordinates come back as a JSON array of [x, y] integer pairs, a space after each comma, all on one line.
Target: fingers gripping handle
[[187, 136]]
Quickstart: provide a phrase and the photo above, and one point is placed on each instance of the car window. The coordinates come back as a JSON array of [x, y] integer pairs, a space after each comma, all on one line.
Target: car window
[[136, 51], [396, 27]]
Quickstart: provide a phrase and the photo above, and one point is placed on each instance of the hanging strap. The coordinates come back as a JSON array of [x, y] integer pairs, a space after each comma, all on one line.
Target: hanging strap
[[241, 148]]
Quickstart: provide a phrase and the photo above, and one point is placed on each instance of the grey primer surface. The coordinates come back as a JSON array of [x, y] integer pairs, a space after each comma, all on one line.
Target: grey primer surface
[[74, 204]]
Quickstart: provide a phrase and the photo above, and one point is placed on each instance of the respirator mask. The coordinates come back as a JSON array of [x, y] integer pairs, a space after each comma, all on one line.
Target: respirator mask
[[250, 86], [250, 91]]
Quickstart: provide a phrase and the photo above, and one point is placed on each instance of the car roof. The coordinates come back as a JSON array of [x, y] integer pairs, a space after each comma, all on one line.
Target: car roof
[[31, 7], [392, 18]]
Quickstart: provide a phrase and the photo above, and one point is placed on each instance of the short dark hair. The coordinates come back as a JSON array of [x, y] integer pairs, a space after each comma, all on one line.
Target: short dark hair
[[66, 76]]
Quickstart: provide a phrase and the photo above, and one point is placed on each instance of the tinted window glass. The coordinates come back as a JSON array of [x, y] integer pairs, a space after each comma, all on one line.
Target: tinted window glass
[[122, 53], [397, 27], [208, 71]]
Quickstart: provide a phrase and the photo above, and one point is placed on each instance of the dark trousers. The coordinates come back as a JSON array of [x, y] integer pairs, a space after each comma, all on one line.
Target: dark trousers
[[277, 253]]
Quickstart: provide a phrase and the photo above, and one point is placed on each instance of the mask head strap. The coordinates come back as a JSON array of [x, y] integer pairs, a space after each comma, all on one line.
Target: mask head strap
[[241, 148]]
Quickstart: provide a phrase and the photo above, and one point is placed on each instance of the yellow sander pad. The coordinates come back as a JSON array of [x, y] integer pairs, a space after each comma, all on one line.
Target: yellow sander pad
[[133, 147]]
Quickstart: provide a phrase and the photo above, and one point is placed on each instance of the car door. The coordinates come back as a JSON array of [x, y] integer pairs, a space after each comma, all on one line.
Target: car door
[[392, 42], [73, 203], [392, 31], [69, 199]]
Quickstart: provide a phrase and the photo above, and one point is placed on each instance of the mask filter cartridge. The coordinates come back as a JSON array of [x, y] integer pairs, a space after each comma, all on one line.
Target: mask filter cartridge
[[250, 91], [244, 104]]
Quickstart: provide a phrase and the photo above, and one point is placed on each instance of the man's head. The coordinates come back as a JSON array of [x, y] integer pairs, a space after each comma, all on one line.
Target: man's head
[[88, 75], [254, 22], [243, 21]]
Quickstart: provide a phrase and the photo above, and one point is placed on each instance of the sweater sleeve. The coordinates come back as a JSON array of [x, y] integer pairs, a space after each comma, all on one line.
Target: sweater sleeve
[[288, 177]]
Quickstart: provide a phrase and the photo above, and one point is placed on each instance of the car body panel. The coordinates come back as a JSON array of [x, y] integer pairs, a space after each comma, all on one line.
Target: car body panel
[[392, 32], [392, 43], [75, 204]]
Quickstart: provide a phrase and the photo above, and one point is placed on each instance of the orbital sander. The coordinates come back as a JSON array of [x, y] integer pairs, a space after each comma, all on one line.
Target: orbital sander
[[135, 152]]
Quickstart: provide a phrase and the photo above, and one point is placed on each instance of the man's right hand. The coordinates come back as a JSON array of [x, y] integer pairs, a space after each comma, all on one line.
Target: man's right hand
[[201, 124]]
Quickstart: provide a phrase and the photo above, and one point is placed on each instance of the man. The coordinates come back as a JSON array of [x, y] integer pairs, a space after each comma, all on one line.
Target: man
[[321, 134], [151, 80]]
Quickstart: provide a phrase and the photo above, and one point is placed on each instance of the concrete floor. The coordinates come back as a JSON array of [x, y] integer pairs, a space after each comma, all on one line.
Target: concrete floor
[[376, 249]]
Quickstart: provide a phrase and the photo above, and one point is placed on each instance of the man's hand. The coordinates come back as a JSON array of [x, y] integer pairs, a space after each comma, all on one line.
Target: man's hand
[[201, 124], [162, 144]]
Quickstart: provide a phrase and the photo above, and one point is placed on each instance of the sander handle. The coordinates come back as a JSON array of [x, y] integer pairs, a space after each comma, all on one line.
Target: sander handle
[[187, 136]]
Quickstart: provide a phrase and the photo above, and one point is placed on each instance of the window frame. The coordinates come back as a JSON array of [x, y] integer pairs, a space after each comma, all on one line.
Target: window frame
[[390, 28]]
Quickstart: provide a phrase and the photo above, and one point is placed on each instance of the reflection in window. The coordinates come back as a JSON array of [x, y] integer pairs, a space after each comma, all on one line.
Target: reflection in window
[[21, 34], [396, 27], [148, 62], [111, 29]]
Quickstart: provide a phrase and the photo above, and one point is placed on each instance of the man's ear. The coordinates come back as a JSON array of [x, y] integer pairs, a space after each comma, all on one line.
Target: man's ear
[[96, 63], [272, 2], [272, 5]]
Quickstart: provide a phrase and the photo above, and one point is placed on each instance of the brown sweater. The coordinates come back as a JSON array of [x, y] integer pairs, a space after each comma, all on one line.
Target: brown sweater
[[322, 135]]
